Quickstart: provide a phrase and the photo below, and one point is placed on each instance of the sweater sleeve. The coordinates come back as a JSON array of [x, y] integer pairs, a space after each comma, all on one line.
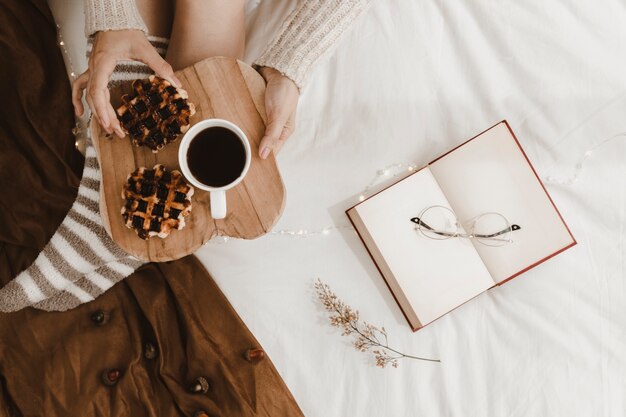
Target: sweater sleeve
[[101, 15], [309, 32]]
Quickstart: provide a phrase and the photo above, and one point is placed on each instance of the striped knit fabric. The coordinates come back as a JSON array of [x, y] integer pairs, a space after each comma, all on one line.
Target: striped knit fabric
[[81, 261]]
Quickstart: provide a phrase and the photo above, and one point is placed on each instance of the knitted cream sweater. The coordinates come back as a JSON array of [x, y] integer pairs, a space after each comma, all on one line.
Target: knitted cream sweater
[[112, 15], [307, 34]]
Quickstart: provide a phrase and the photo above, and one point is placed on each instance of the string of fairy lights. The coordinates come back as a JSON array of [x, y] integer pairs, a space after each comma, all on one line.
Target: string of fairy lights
[[66, 55], [80, 130], [394, 170], [578, 167], [397, 170]]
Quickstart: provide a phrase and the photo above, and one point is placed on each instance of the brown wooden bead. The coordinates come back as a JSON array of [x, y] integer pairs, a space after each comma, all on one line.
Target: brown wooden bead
[[110, 377], [199, 386], [255, 355], [100, 318], [150, 351]]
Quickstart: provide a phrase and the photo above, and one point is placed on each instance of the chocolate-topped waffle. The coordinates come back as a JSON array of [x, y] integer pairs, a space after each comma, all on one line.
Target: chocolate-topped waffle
[[155, 113], [157, 201]]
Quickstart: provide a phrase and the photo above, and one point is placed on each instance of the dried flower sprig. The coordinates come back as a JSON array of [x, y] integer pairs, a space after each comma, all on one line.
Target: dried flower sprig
[[367, 337]]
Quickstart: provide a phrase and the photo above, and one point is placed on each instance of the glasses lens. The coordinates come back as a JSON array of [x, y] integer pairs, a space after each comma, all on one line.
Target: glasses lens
[[492, 229], [438, 222]]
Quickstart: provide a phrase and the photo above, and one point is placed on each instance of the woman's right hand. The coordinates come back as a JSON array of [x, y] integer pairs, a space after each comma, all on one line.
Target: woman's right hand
[[109, 47]]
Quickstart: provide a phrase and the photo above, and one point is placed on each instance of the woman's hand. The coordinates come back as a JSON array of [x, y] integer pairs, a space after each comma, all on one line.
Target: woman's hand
[[108, 48], [281, 102]]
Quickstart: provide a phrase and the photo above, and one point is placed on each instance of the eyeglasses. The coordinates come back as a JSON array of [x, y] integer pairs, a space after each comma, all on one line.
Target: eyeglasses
[[440, 223]]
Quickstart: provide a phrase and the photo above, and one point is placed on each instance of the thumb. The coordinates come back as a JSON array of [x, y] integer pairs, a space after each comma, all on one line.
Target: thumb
[[161, 68], [272, 135]]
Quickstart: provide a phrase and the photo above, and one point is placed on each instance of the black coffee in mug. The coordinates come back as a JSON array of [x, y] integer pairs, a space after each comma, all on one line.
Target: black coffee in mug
[[216, 156]]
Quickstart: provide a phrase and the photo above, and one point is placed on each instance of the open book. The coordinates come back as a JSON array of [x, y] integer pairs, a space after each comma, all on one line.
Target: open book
[[489, 173]]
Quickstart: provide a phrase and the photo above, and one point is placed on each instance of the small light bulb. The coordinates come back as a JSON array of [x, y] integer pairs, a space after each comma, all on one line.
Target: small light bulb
[[361, 197], [61, 43]]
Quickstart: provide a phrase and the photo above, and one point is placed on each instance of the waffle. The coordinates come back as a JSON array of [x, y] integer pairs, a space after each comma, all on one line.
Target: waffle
[[155, 113], [157, 201]]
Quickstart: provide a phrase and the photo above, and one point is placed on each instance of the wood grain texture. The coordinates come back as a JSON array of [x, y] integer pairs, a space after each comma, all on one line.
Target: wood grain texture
[[220, 88]]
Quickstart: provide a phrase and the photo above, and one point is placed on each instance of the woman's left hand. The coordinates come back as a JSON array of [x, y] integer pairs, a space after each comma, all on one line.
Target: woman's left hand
[[281, 102]]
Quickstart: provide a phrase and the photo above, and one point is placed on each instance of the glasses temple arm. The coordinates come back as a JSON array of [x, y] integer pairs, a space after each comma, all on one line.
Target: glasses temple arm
[[417, 220], [439, 232], [511, 228]]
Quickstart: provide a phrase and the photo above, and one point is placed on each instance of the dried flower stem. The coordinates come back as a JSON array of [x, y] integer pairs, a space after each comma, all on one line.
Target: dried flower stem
[[366, 335]]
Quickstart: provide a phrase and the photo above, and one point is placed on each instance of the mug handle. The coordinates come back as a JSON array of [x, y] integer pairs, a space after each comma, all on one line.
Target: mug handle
[[218, 204]]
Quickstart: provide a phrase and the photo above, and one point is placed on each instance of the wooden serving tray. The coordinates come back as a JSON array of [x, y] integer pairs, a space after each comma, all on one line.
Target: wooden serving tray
[[220, 88]]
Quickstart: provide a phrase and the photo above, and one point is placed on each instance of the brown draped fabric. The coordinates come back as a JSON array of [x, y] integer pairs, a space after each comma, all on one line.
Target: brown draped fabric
[[140, 348], [39, 166]]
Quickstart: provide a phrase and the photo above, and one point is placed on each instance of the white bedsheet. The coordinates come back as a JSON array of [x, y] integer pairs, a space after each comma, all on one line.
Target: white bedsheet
[[412, 79]]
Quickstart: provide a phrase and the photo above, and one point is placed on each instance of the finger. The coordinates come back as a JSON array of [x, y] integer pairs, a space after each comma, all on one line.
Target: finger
[[94, 114], [115, 123], [78, 86], [290, 127], [272, 134], [90, 104], [97, 89], [94, 117], [288, 130], [151, 58]]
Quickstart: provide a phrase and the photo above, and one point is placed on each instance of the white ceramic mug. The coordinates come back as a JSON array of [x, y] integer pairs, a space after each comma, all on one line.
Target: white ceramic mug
[[218, 194]]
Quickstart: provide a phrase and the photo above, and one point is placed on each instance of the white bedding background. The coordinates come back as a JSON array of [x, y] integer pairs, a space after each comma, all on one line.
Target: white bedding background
[[412, 79]]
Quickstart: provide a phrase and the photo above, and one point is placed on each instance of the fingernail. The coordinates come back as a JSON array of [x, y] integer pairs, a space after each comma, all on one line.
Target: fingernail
[[265, 152]]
